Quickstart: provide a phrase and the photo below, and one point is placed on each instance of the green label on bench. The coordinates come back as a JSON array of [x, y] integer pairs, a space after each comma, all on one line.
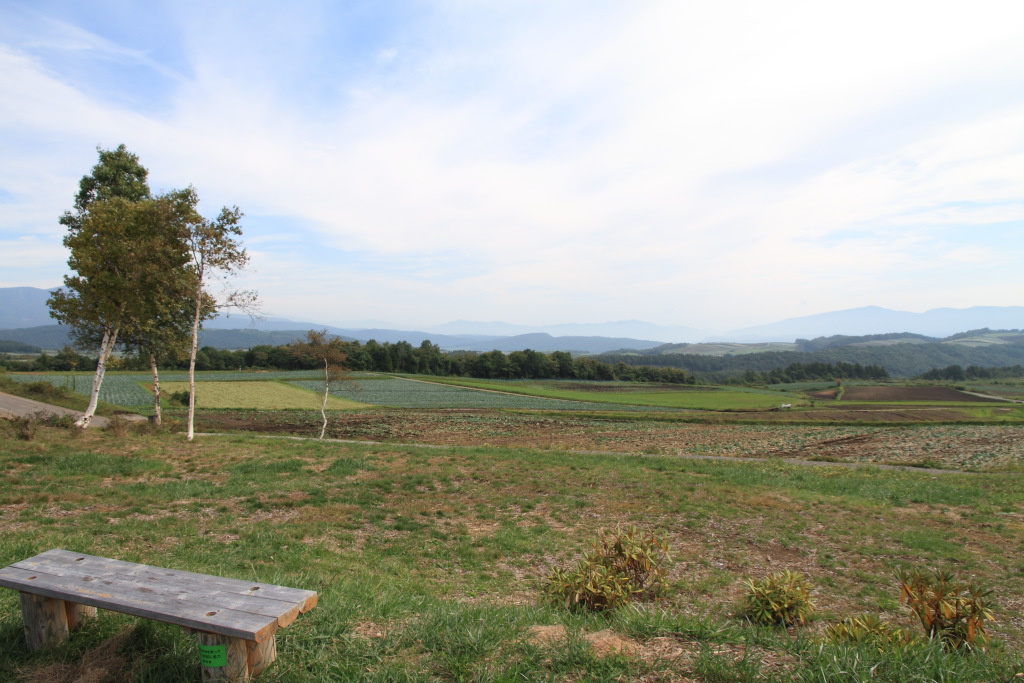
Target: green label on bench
[[213, 655]]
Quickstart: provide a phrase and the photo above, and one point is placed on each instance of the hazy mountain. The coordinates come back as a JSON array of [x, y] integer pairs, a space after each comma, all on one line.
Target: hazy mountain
[[631, 329], [24, 307], [541, 341], [938, 322]]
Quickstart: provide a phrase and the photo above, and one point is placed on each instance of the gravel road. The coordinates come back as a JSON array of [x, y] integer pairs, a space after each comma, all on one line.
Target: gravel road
[[15, 406]]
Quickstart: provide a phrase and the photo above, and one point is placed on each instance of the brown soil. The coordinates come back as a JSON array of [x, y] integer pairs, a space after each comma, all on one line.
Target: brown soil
[[955, 446], [912, 394]]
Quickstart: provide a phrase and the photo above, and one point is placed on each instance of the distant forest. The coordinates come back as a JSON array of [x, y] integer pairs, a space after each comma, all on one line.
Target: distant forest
[[429, 359], [922, 358], [901, 359]]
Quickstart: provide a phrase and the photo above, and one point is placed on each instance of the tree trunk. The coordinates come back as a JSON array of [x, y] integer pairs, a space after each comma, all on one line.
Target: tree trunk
[[323, 406], [157, 418], [106, 348], [192, 359]]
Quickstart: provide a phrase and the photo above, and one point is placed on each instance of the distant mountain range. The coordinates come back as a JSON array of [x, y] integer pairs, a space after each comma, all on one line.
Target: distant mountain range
[[25, 318], [855, 322]]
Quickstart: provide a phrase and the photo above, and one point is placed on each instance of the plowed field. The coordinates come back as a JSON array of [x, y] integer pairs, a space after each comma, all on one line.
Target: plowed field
[[892, 394], [953, 446]]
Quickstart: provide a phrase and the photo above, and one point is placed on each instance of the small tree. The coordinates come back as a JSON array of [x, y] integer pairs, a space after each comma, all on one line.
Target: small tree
[[317, 348], [215, 253]]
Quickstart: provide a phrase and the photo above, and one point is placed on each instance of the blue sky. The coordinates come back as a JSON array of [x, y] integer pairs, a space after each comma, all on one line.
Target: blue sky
[[709, 164]]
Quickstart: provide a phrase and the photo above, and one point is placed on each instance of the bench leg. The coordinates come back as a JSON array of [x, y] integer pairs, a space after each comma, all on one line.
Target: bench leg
[[78, 614], [46, 620], [222, 659], [261, 655]]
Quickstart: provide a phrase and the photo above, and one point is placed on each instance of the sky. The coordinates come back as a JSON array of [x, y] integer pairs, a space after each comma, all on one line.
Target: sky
[[715, 165]]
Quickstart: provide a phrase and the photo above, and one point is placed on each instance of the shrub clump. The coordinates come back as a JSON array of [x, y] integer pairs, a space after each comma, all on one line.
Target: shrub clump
[[180, 398], [783, 598], [44, 390], [624, 565], [868, 629], [949, 610]]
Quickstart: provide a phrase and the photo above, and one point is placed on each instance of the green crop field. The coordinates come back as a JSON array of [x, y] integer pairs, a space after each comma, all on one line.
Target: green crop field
[[259, 395], [426, 393], [683, 397]]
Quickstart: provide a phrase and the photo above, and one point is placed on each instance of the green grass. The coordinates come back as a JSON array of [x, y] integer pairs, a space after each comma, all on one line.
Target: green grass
[[259, 395], [428, 560], [685, 397]]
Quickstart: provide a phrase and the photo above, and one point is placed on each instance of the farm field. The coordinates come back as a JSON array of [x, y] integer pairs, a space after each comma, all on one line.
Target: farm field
[[971, 447], [404, 392], [678, 396], [890, 394], [260, 395], [428, 561]]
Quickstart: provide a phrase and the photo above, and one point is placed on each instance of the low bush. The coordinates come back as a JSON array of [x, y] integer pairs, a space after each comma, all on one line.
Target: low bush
[[44, 390], [949, 610], [624, 565], [783, 598], [867, 629], [118, 425], [180, 397], [24, 428]]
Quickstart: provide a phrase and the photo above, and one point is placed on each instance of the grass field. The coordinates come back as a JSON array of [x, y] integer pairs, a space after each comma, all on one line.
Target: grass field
[[428, 560]]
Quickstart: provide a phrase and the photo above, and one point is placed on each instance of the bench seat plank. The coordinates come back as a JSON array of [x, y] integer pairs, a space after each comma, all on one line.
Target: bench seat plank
[[152, 606], [62, 562], [235, 608]]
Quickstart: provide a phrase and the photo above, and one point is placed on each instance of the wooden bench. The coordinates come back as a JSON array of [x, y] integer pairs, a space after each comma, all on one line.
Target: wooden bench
[[234, 620]]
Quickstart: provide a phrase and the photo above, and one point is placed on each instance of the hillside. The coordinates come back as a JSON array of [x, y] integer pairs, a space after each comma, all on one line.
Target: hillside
[[902, 355]]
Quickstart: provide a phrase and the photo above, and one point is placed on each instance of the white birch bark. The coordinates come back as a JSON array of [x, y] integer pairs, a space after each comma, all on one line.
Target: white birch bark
[[323, 406], [192, 360], [157, 417], [106, 348]]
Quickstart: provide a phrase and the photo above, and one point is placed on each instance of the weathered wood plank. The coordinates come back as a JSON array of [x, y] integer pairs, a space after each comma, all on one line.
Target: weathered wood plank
[[130, 600], [285, 612], [78, 614], [63, 562], [261, 655], [235, 666], [45, 619], [235, 619]]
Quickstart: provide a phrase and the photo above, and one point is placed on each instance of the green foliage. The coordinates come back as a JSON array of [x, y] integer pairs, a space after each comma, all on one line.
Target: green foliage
[[782, 598], [44, 390], [180, 397], [949, 610], [624, 565], [867, 629]]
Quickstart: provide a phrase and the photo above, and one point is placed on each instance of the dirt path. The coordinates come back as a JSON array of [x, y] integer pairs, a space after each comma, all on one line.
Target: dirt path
[[16, 406]]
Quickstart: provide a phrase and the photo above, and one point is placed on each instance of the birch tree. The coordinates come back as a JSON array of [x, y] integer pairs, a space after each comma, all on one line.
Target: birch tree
[[216, 254], [166, 325], [120, 240], [317, 348]]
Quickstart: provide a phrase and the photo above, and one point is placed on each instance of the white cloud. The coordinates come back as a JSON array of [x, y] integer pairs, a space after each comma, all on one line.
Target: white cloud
[[624, 161]]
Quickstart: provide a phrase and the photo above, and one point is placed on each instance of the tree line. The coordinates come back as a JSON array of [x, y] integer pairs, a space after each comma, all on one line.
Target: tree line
[[429, 359], [958, 373]]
